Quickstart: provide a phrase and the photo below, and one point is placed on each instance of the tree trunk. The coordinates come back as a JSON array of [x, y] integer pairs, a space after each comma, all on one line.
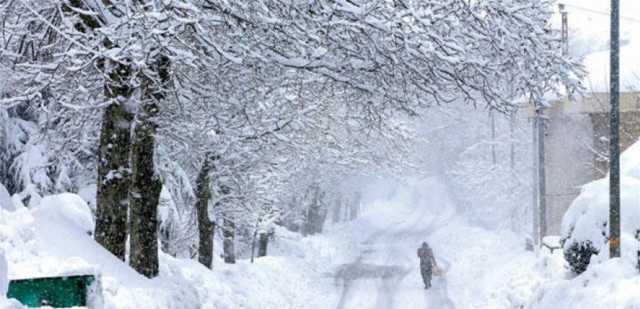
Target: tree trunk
[[322, 218], [228, 234], [355, 207], [337, 211], [144, 199], [315, 214], [321, 212], [262, 245], [205, 225], [146, 186], [113, 166], [113, 153], [345, 206]]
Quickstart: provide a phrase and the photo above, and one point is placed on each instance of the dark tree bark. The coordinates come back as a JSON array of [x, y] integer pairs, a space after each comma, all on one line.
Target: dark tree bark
[[206, 227], [146, 186], [113, 154], [113, 166], [144, 199], [322, 218], [315, 216], [355, 207], [337, 210], [346, 208], [228, 234], [165, 238], [263, 242]]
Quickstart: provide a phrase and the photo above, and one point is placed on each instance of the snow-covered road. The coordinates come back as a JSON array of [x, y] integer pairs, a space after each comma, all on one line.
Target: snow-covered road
[[385, 273]]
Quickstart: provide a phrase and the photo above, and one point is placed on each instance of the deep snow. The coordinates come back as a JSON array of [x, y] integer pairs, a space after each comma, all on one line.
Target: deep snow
[[375, 263], [607, 283], [370, 262]]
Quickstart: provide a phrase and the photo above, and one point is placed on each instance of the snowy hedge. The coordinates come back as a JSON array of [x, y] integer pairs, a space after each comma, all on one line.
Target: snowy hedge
[[585, 226]]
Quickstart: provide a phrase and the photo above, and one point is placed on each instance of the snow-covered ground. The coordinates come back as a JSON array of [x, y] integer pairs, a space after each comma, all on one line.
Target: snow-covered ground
[[607, 283], [42, 242], [367, 263], [485, 268]]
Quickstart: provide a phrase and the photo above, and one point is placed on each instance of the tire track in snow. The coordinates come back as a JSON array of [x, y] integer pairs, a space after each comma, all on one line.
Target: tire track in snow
[[398, 245]]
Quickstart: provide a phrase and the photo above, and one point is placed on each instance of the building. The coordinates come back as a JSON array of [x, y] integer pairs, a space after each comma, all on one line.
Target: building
[[577, 146]]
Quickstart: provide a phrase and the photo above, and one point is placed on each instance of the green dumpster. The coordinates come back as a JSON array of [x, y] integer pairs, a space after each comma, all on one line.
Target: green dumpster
[[57, 292]]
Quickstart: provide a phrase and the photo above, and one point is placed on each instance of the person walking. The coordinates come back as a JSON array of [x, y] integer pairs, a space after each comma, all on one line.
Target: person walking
[[427, 264]]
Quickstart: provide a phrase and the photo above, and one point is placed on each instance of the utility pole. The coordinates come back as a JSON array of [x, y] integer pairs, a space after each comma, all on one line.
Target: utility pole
[[614, 146], [539, 177], [565, 29], [535, 205], [512, 150], [492, 116], [542, 179]]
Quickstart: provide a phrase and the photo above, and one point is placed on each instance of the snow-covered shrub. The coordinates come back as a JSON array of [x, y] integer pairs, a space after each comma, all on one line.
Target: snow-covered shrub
[[578, 255], [41, 154], [585, 225]]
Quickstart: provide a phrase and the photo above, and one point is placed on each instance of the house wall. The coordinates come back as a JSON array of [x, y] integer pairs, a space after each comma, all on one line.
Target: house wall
[[569, 163], [577, 147]]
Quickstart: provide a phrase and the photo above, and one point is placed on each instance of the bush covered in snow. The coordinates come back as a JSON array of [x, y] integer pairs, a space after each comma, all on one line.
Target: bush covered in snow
[[579, 255], [585, 226]]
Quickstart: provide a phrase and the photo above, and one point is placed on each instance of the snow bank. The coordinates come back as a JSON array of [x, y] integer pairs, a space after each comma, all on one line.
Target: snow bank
[[611, 284], [52, 240], [4, 285], [9, 304], [606, 283], [4, 279], [271, 282], [66, 208], [295, 274], [587, 218]]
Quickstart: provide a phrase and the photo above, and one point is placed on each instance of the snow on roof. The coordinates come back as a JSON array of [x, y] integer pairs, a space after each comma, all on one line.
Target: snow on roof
[[589, 37]]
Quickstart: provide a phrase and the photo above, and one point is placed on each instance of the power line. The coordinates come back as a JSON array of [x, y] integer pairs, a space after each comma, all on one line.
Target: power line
[[631, 19]]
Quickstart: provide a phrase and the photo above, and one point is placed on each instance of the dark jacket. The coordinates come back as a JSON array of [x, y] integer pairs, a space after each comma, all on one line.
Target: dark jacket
[[427, 259]]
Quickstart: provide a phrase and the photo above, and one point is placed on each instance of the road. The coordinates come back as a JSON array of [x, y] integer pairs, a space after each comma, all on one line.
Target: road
[[385, 274]]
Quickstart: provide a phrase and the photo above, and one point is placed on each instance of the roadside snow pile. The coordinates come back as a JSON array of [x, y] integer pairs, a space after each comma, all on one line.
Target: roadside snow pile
[[602, 282], [4, 279], [270, 282], [610, 284], [585, 228], [68, 208], [52, 240], [4, 285]]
